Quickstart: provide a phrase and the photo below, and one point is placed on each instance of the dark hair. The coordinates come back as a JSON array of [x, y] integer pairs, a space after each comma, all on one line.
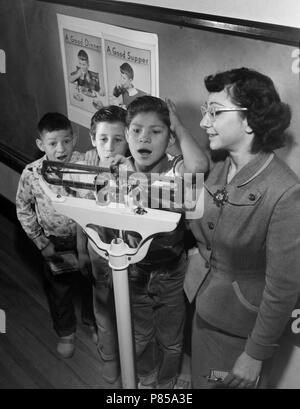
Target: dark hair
[[82, 55], [126, 68], [111, 113], [267, 116], [147, 103], [53, 121]]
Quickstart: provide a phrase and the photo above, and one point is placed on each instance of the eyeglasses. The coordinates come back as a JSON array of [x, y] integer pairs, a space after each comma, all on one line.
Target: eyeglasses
[[213, 111]]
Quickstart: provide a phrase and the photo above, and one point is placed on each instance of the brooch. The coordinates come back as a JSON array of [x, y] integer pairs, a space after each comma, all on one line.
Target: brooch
[[220, 197]]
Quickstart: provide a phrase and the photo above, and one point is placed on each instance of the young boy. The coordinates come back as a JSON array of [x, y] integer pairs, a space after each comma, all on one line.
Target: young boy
[[156, 282], [158, 303], [126, 88], [108, 137], [53, 233], [86, 79]]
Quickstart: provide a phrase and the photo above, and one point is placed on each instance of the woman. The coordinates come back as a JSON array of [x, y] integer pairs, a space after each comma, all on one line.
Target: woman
[[245, 277]]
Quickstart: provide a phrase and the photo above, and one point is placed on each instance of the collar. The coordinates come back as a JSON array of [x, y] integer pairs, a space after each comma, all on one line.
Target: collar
[[249, 172], [252, 169], [132, 91], [37, 164]]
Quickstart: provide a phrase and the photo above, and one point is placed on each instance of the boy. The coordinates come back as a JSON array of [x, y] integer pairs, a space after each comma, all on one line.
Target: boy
[[157, 281], [86, 79], [126, 87], [158, 303], [54, 233], [108, 137]]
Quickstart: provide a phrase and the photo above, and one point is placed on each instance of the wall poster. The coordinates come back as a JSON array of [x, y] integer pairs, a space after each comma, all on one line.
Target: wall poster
[[105, 64]]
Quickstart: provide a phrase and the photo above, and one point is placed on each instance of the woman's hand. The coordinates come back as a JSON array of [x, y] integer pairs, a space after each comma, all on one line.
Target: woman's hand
[[92, 158], [245, 372]]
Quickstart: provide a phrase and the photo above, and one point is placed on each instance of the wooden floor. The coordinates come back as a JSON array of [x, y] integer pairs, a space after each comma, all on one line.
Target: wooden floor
[[28, 358]]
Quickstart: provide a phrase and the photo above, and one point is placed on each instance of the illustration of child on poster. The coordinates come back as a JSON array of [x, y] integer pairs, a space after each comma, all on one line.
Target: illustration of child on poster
[[129, 72], [84, 62]]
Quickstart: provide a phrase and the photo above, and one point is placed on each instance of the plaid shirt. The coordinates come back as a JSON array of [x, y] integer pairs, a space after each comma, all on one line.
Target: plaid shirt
[[35, 211]]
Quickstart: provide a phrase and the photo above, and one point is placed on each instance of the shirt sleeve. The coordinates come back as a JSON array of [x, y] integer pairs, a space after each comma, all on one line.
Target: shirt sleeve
[[25, 206], [282, 276]]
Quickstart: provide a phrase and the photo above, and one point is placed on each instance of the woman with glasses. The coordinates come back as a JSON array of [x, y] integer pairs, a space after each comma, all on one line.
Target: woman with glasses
[[245, 274]]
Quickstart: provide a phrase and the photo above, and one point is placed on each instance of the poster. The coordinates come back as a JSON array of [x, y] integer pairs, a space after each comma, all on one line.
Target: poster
[[105, 64]]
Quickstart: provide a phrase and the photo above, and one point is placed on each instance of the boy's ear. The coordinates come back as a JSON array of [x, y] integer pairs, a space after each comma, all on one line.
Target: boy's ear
[[40, 144], [126, 134], [74, 139], [172, 140], [93, 140]]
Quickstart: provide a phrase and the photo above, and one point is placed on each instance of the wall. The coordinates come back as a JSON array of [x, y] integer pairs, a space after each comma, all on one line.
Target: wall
[[280, 12], [19, 108], [8, 182]]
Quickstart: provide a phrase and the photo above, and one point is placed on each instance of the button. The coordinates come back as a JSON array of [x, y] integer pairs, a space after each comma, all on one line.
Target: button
[[211, 226], [208, 247], [207, 265], [252, 197]]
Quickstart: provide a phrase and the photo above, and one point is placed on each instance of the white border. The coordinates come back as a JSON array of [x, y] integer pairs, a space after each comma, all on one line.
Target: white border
[[104, 31]]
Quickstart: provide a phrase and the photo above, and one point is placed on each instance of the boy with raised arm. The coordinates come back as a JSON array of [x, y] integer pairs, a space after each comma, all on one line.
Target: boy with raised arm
[[158, 303]]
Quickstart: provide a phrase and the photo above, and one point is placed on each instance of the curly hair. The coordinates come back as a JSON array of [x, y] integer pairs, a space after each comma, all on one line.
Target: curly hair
[[111, 114], [148, 103], [267, 116]]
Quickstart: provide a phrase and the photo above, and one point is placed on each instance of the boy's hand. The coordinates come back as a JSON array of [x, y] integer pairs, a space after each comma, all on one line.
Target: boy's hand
[[194, 159], [122, 161], [49, 250], [176, 125], [92, 158], [84, 264]]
